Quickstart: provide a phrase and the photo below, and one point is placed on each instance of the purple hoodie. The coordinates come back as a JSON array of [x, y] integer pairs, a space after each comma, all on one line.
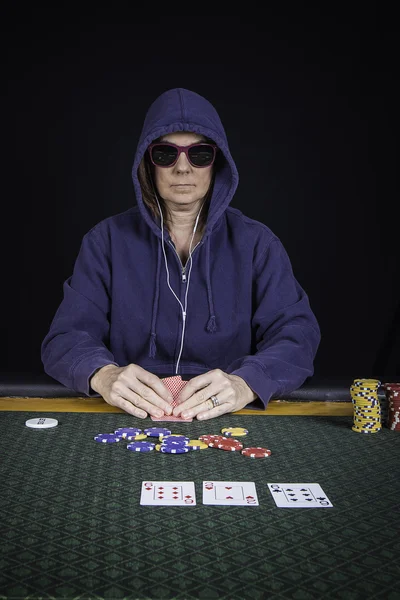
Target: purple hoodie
[[246, 313]]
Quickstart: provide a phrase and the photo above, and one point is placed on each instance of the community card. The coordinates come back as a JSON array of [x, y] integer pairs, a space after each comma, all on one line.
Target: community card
[[299, 495], [175, 385], [168, 493], [234, 493]]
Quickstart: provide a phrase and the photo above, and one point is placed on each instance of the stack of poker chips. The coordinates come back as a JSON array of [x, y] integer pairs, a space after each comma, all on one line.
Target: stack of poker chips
[[392, 392], [366, 406]]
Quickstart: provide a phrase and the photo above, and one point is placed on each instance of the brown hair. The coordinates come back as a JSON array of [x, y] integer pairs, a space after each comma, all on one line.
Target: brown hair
[[146, 179]]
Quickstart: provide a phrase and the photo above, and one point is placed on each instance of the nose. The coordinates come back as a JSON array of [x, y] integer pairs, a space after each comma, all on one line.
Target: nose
[[182, 164]]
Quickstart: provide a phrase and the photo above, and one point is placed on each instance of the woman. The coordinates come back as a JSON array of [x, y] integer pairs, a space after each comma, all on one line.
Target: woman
[[182, 284]]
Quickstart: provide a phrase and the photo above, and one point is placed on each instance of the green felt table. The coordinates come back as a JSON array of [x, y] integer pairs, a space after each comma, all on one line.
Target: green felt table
[[72, 525]]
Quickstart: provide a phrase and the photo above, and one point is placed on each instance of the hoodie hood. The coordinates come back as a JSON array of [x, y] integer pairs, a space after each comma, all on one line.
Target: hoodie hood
[[182, 110]]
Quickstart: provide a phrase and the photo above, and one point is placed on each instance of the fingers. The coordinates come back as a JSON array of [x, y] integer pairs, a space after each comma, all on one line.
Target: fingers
[[197, 387], [207, 407], [131, 409], [145, 390], [206, 412], [154, 406], [198, 398], [153, 391], [127, 406], [125, 395]]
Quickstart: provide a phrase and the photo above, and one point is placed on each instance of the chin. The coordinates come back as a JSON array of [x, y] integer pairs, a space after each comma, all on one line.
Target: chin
[[187, 196]]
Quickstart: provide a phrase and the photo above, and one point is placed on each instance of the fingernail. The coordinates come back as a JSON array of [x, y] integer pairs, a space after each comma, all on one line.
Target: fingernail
[[186, 415], [159, 413]]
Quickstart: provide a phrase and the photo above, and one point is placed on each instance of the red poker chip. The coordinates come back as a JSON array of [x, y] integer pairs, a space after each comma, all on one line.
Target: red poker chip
[[256, 452], [224, 440], [209, 438], [230, 447]]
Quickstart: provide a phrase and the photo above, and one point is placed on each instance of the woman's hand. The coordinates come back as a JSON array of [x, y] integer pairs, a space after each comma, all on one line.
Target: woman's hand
[[133, 389], [232, 393]]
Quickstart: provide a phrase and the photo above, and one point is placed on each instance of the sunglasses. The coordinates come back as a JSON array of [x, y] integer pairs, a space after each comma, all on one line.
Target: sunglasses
[[166, 154]]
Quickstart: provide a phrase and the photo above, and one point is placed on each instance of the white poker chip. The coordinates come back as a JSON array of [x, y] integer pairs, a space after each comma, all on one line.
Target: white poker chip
[[41, 423]]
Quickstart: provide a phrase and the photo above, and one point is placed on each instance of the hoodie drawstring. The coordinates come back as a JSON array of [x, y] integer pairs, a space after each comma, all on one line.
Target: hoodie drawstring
[[211, 324], [153, 336]]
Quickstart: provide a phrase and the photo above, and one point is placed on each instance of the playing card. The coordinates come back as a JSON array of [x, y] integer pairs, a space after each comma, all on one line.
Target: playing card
[[299, 495], [175, 385], [234, 493], [168, 493]]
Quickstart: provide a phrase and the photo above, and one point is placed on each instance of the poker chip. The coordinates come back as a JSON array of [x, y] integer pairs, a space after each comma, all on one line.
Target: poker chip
[[229, 444], [174, 437], [174, 449], [157, 432], [138, 437], [234, 431], [209, 438], [41, 423], [224, 441], [197, 445], [107, 438], [366, 382], [228, 448], [127, 432], [174, 444], [256, 452], [366, 406], [141, 446], [364, 430]]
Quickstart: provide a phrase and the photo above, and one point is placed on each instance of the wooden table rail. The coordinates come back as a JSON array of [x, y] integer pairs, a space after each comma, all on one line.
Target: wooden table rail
[[98, 405]]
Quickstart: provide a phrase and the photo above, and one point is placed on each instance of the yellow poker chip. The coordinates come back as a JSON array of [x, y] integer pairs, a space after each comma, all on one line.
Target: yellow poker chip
[[197, 445], [365, 430], [234, 431], [158, 447], [366, 381], [140, 436]]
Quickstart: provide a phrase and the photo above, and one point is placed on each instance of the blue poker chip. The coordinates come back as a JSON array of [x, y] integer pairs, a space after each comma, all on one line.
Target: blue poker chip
[[141, 446], [175, 438], [107, 438], [173, 443], [157, 431], [174, 449], [126, 432]]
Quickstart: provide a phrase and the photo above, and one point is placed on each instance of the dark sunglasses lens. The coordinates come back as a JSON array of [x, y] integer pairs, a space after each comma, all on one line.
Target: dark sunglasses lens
[[201, 156], [164, 155]]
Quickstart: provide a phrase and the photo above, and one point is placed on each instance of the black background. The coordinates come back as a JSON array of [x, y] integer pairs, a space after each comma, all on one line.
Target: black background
[[307, 101]]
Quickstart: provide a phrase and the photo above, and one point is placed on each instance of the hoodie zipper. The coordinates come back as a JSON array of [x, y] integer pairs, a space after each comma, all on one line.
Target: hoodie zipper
[[183, 269]]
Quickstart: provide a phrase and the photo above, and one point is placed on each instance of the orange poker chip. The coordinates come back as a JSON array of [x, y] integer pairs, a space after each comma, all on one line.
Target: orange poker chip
[[256, 452]]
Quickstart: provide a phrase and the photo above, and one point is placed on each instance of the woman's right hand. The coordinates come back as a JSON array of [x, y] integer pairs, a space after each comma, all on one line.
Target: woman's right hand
[[132, 388]]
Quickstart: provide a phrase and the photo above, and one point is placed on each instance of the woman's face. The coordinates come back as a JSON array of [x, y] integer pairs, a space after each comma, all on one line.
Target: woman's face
[[182, 184]]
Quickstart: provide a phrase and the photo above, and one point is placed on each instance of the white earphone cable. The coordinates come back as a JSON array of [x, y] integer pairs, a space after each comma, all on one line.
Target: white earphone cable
[[188, 281]]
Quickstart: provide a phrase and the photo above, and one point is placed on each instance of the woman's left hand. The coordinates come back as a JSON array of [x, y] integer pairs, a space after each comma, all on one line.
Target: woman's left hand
[[232, 393]]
